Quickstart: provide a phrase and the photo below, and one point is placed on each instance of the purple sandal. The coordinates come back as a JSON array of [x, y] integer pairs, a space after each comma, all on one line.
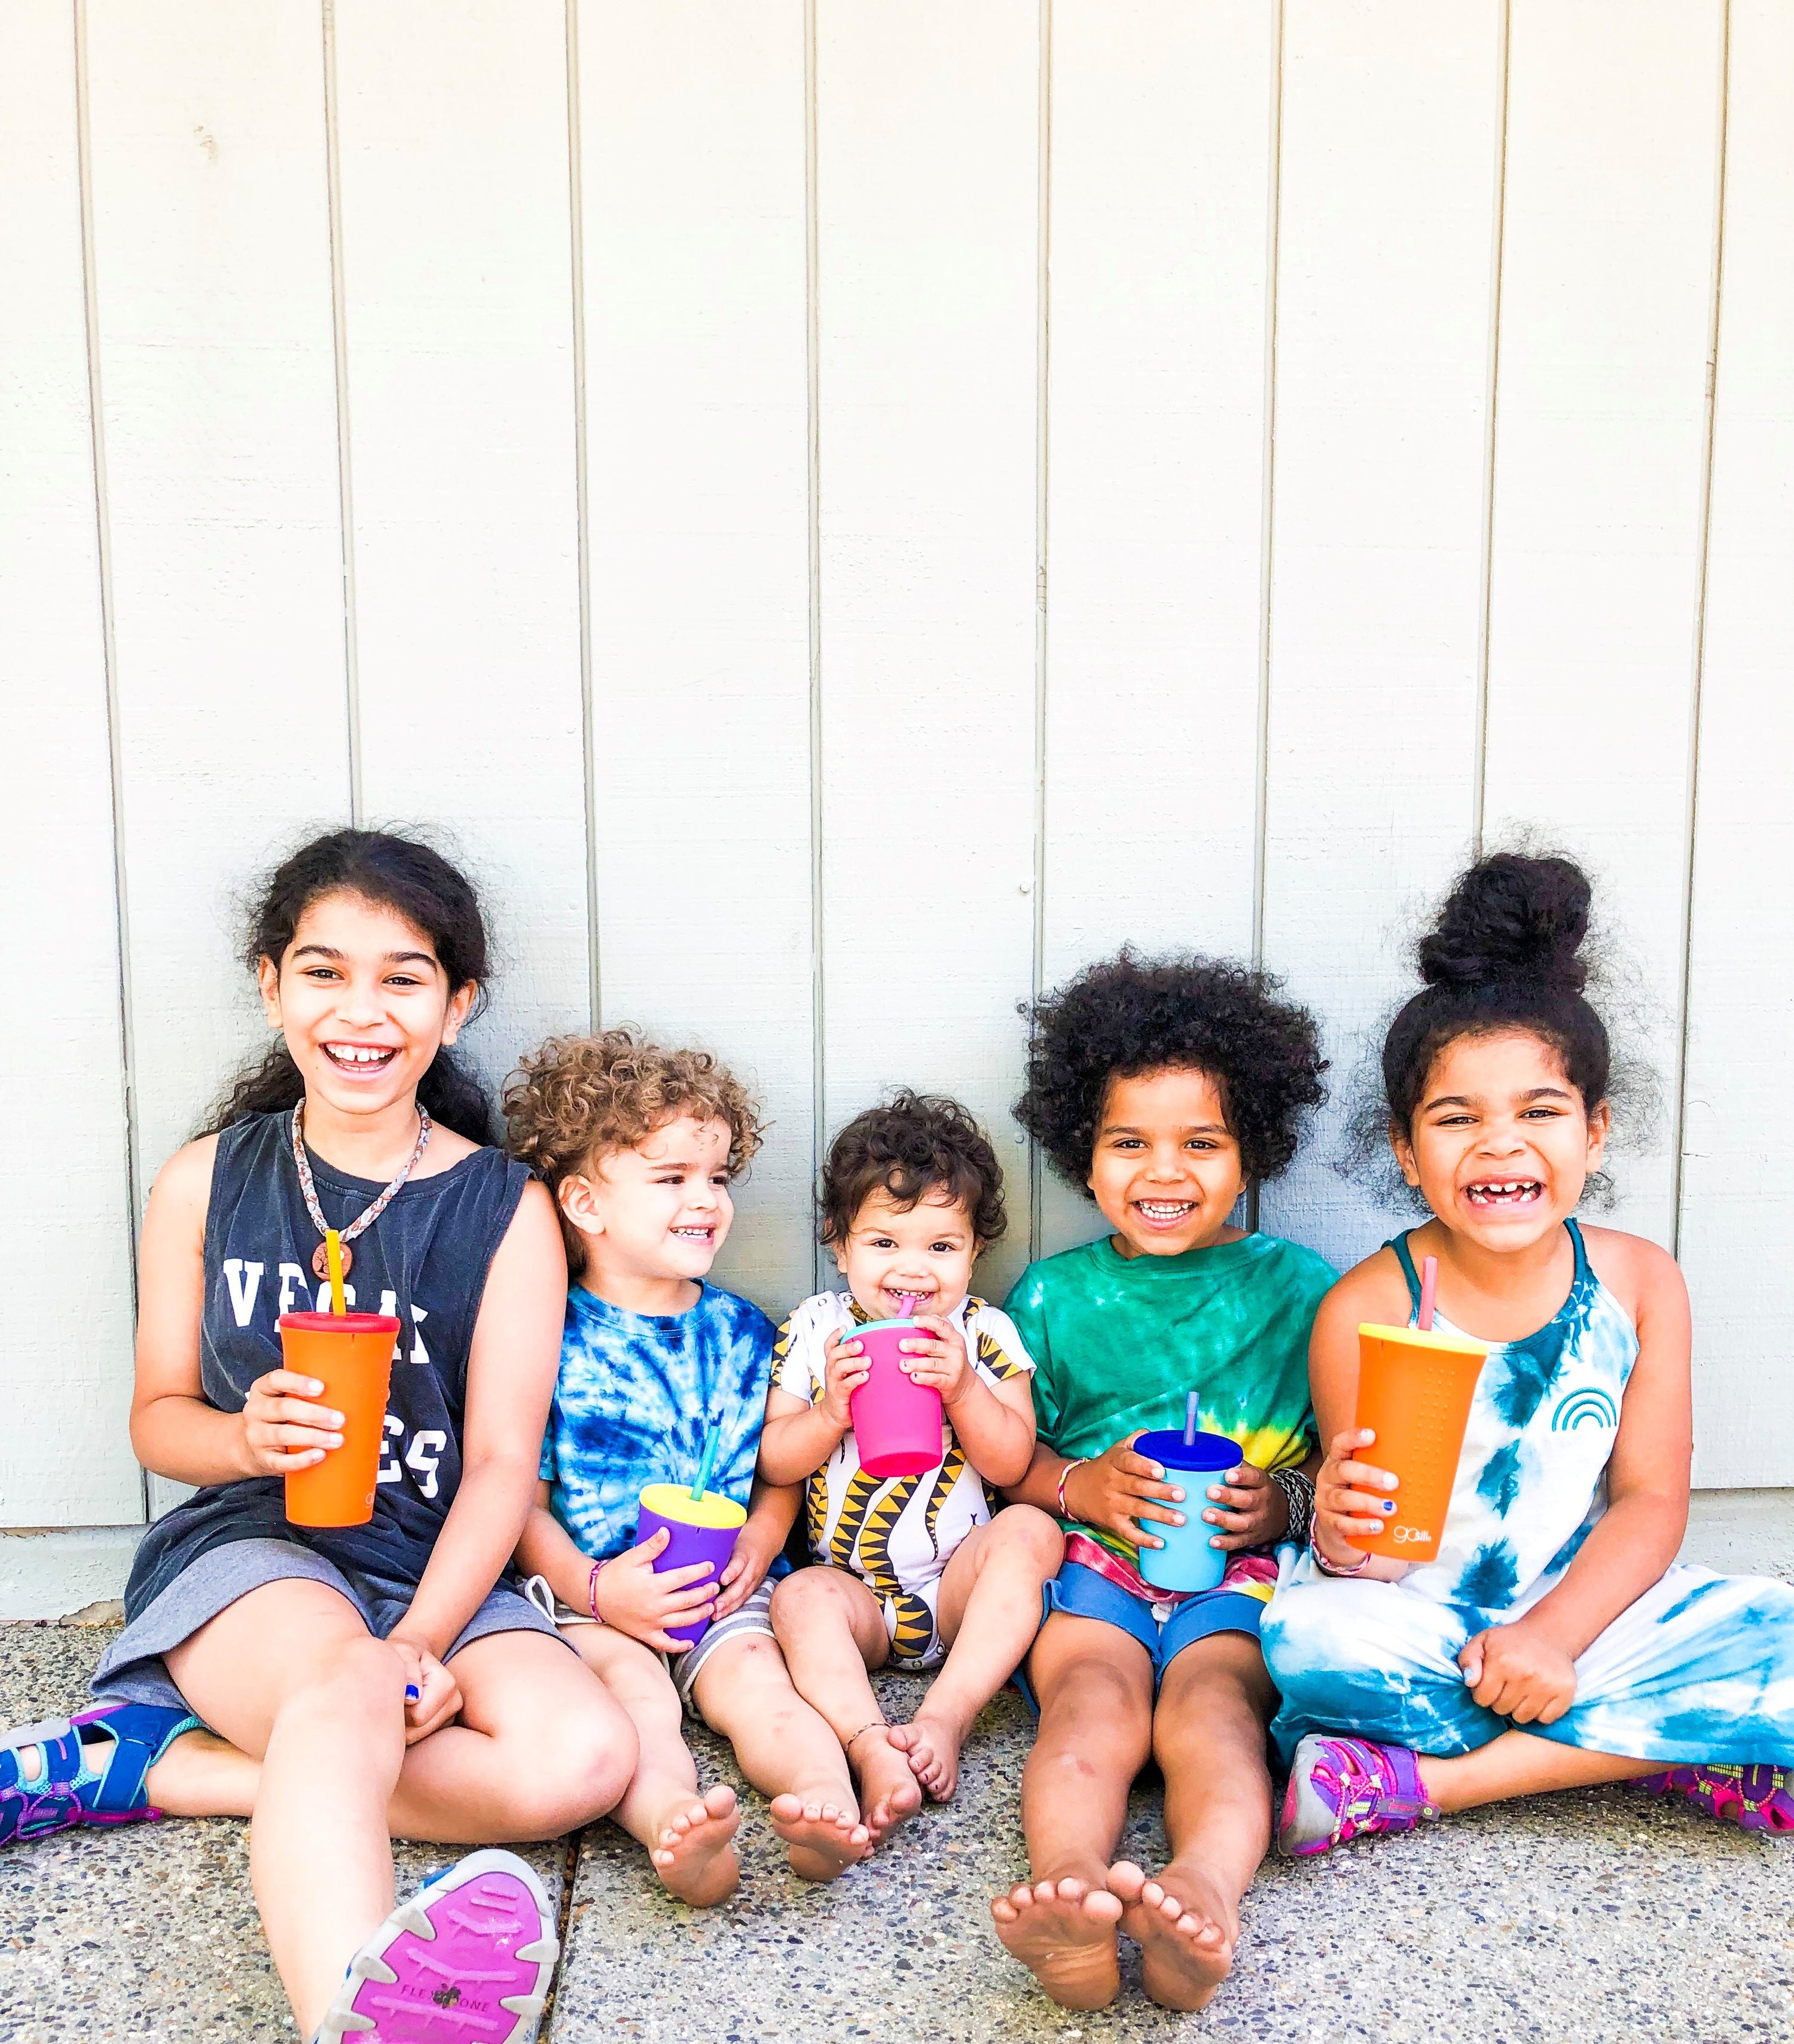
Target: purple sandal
[[1757, 1798], [1344, 1789], [90, 1769], [467, 1960]]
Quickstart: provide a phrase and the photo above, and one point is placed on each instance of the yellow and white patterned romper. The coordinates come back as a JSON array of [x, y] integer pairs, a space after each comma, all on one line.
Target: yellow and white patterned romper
[[897, 1533]]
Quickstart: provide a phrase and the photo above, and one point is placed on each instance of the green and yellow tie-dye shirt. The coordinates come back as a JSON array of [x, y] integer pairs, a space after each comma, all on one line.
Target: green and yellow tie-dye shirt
[[1119, 1344]]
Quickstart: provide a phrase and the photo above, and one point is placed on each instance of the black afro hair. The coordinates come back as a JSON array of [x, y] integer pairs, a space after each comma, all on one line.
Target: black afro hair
[[1131, 1015]]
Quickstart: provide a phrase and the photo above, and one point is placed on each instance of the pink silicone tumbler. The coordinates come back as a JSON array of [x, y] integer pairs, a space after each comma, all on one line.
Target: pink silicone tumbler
[[897, 1421]]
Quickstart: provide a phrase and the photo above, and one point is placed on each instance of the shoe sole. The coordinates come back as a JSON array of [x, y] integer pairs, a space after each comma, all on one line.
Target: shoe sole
[[467, 1960], [1305, 1825]]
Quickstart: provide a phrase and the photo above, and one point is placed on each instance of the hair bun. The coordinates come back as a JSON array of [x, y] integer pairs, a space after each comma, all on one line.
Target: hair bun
[[1511, 919]]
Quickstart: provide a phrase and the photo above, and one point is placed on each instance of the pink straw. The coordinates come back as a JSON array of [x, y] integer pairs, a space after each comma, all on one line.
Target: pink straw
[[907, 1301], [1429, 1291]]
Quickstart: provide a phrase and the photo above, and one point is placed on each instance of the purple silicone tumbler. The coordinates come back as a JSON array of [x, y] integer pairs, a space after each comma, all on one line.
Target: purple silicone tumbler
[[896, 1422], [698, 1529]]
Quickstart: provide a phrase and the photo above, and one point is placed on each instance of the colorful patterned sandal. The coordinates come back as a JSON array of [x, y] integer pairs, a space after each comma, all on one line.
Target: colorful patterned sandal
[[1759, 1798], [467, 1960], [90, 1771], [1345, 1788]]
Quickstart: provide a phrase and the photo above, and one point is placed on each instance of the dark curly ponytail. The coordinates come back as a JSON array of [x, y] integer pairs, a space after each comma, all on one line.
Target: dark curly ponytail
[[1505, 954], [416, 882]]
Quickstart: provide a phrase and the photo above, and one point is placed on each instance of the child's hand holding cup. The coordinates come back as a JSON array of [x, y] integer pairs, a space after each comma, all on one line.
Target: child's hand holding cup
[[845, 1368], [935, 1355]]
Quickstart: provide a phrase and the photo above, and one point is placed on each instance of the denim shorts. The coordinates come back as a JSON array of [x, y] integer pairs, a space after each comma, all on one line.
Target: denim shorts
[[1164, 1630]]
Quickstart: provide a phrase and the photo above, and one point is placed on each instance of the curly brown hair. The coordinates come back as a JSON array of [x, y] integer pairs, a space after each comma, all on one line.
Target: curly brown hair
[[578, 1099], [914, 1144]]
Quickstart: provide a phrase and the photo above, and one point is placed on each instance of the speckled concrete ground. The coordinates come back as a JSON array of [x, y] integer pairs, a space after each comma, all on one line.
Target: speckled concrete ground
[[1590, 1917]]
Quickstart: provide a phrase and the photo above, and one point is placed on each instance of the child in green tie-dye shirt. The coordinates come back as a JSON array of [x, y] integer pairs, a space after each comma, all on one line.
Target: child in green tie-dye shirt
[[1165, 1088]]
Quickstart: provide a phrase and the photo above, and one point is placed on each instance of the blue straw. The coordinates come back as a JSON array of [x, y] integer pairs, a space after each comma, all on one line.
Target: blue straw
[[708, 1462], [1189, 1421]]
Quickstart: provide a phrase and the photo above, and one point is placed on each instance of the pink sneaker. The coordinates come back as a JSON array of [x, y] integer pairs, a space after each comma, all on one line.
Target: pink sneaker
[[1759, 1798], [467, 1960], [1345, 1788]]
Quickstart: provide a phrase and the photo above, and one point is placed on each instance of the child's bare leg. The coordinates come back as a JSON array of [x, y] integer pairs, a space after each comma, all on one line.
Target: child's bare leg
[[831, 1631], [788, 1751], [688, 1836], [1094, 1686], [1520, 1763], [1209, 1738], [202, 1775], [291, 1672], [989, 1612]]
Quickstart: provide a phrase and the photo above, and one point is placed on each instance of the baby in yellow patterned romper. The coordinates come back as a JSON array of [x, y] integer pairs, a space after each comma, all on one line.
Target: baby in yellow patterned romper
[[915, 1571]]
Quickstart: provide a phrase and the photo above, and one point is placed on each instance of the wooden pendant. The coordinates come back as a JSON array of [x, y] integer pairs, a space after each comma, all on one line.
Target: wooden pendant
[[321, 1262]]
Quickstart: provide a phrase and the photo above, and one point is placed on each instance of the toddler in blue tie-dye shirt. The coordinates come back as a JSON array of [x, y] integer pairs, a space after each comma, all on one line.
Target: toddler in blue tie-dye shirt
[[640, 1147], [1552, 1642]]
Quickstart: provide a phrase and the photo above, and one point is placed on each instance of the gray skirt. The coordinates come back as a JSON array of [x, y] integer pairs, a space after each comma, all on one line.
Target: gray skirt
[[133, 1670]]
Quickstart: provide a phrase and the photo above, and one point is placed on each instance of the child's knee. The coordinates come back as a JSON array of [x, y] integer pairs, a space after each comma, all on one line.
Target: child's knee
[[1024, 1530], [812, 1599], [594, 1757]]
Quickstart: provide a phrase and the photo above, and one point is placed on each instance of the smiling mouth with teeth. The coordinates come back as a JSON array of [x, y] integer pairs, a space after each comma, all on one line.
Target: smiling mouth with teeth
[[360, 1056], [1165, 1209], [1504, 1192]]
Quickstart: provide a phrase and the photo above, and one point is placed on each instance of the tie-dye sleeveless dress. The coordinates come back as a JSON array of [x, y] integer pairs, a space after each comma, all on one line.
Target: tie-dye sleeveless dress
[[1700, 1669]]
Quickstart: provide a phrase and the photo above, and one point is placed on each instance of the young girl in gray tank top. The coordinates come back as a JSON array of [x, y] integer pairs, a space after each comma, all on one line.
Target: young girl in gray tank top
[[330, 1681]]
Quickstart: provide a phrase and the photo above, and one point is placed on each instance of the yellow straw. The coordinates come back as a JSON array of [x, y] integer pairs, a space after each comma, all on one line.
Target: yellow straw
[[333, 1256]]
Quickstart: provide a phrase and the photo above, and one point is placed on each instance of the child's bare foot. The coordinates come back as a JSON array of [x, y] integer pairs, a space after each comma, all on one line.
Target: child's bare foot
[[931, 1745], [822, 1838], [1184, 1928], [889, 1791], [1064, 1932], [693, 1855]]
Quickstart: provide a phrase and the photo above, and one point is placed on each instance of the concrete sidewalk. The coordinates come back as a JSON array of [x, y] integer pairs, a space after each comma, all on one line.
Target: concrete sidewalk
[[1593, 1916]]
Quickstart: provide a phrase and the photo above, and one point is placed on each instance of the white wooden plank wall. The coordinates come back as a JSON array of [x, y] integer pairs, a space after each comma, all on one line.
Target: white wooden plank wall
[[1160, 214], [211, 229], [1738, 1197], [453, 143], [1606, 306], [844, 512], [64, 1459], [692, 118], [928, 335], [1390, 170]]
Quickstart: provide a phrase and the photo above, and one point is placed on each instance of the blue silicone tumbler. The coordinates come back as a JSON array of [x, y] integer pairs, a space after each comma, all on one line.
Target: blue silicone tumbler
[[1186, 1561]]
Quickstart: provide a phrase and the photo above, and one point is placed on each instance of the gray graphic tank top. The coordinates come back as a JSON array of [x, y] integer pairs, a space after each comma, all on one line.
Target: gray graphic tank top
[[425, 1260]]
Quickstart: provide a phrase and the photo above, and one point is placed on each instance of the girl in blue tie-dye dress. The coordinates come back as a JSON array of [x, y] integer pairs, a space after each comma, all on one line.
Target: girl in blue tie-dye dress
[[1552, 1642]]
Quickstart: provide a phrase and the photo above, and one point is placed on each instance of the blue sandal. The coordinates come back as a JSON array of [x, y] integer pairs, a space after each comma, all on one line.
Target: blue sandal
[[90, 1771]]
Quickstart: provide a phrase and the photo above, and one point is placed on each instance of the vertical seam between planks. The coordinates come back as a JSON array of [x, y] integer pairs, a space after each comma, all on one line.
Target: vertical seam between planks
[[339, 352], [576, 230], [813, 419], [1698, 678], [1267, 491], [1043, 343], [1261, 799], [1479, 795], [109, 658]]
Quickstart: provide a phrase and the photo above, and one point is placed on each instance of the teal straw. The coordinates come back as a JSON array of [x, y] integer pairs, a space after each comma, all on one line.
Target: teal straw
[[707, 1461]]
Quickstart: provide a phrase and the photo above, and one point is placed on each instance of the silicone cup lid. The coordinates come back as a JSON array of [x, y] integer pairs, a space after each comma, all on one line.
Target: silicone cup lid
[[338, 1324], [1208, 1451], [875, 1327]]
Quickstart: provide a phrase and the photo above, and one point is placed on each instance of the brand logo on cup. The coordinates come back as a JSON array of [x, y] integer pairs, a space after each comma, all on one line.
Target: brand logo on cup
[[1402, 1533]]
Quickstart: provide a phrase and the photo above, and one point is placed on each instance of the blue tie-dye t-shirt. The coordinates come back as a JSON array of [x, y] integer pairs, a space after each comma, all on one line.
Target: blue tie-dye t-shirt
[[634, 1397]]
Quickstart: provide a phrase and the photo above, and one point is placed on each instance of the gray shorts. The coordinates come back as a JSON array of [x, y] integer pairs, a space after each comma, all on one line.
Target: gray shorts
[[753, 1617], [132, 1669]]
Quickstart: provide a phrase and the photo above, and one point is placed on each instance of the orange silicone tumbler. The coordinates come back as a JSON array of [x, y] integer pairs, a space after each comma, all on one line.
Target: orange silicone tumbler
[[352, 1355], [1414, 1393]]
